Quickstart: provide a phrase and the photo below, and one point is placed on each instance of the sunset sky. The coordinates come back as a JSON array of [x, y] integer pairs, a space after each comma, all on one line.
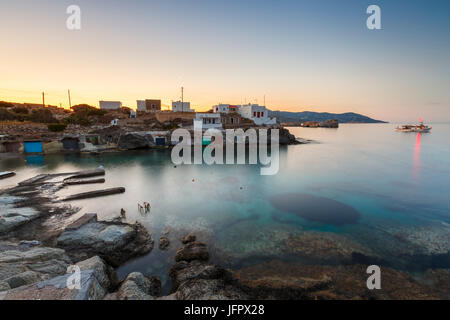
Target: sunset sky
[[302, 55]]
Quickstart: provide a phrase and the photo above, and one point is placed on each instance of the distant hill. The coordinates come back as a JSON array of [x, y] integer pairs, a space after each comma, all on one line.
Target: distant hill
[[348, 117]]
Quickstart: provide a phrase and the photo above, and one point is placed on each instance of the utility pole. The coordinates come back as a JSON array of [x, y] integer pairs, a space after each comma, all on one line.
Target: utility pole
[[182, 99], [70, 103], [264, 100], [43, 99]]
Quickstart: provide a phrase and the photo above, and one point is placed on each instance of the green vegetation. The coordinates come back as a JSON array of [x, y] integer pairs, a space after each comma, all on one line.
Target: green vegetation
[[57, 127], [42, 116], [81, 114]]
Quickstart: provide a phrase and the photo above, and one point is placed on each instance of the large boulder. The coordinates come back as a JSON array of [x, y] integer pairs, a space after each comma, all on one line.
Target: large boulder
[[114, 241], [197, 280], [193, 278], [136, 286], [133, 140], [20, 267], [285, 137], [95, 279]]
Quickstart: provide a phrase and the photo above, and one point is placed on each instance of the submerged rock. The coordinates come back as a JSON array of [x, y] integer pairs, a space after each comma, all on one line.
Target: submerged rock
[[316, 209], [164, 243], [282, 280], [136, 286], [192, 251], [115, 242], [188, 238], [326, 247]]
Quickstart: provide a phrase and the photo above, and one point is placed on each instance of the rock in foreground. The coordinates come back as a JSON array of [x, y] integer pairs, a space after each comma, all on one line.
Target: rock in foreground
[[95, 280], [114, 241], [136, 286], [19, 267]]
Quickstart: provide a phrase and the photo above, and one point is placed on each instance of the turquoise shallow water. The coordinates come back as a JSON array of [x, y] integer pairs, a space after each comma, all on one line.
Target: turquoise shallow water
[[383, 190]]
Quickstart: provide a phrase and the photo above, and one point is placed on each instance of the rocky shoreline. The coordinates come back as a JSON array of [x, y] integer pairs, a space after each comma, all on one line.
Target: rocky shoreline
[[31, 271], [39, 241]]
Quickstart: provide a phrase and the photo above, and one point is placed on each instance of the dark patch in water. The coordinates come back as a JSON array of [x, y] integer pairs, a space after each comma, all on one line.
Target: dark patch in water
[[318, 209]]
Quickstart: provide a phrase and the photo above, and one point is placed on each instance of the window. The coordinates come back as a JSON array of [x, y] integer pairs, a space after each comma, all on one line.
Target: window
[[262, 114], [259, 114], [254, 114]]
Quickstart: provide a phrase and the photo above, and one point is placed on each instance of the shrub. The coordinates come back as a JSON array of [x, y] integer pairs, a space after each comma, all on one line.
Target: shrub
[[74, 118], [42, 116], [57, 127], [20, 110], [87, 110], [5, 115]]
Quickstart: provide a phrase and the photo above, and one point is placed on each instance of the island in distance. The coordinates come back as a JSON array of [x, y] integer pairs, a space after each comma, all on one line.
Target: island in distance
[[309, 116]]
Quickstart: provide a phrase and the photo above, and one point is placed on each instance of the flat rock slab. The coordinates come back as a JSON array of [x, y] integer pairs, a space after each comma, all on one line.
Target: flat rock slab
[[93, 285], [88, 217], [19, 267], [115, 242], [86, 174], [36, 179], [73, 182], [94, 194], [12, 218]]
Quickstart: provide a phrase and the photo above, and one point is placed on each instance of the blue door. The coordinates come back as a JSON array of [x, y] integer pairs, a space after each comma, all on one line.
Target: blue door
[[33, 146], [160, 141]]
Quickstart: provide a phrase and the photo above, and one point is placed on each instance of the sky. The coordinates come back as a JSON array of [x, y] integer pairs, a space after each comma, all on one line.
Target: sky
[[315, 55]]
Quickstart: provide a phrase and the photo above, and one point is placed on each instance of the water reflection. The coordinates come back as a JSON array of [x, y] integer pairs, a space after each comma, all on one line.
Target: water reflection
[[36, 160], [416, 163]]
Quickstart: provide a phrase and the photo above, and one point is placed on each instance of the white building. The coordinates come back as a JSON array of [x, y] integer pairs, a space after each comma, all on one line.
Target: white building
[[259, 114], [141, 105], [209, 120], [110, 105], [178, 106], [221, 108]]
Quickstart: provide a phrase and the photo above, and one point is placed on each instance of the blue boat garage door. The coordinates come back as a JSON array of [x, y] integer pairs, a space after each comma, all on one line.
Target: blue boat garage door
[[160, 141], [33, 146]]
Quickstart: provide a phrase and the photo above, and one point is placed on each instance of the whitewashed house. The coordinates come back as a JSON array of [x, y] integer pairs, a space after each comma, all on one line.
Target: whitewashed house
[[221, 108], [259, 114], [141, 105], [209, 120], [178, 106], [110, 105]]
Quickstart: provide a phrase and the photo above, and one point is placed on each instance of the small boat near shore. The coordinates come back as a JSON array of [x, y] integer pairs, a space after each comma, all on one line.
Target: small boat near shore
[[421, 128], [6, 174]]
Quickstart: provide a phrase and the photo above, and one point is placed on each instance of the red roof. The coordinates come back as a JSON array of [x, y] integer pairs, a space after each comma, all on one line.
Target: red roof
[[233, 107]]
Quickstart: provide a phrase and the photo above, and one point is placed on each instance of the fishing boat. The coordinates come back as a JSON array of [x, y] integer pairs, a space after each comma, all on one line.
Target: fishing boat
[[414, 128]]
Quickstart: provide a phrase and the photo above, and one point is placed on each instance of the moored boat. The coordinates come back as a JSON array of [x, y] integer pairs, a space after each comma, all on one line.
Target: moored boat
[[421, 128]]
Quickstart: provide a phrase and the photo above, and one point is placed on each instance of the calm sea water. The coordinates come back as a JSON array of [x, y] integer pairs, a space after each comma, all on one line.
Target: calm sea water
[[365, 182]]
